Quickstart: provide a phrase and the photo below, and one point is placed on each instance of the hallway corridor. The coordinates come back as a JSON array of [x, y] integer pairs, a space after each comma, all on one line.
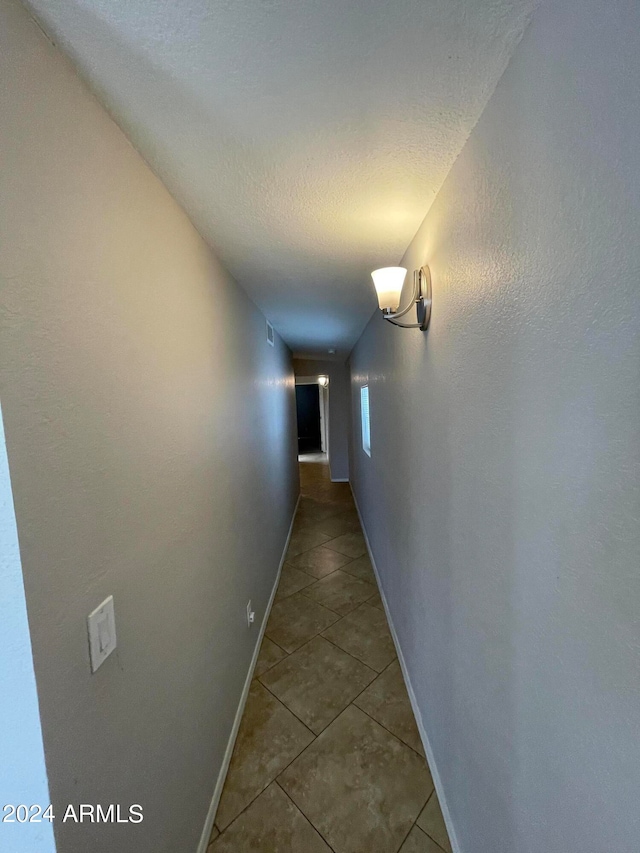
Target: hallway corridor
[[328, 756]]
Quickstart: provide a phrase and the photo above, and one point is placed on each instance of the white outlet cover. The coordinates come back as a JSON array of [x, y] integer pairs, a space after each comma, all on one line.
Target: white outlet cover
[[101, 624]]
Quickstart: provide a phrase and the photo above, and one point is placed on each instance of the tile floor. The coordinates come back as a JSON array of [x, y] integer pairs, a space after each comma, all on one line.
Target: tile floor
[[328, 756]]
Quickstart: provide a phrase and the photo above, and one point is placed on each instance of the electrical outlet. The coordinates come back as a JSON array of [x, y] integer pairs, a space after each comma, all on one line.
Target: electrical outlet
[[251, 616]]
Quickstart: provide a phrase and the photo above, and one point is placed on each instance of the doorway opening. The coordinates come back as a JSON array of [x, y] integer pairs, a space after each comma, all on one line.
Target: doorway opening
[[312, 410]]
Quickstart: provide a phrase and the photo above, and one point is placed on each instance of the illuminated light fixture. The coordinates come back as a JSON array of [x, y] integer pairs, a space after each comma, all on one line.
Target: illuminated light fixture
[[388, 283], [323, 380]]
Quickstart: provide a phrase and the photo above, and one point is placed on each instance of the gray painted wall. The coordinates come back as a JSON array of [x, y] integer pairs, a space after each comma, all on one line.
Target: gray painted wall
[[339, 412], [150, 430], [501, 498]]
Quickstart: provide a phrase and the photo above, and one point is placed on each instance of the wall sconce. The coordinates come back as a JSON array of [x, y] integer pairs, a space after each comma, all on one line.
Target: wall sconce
[[388, 283], [323, 380]]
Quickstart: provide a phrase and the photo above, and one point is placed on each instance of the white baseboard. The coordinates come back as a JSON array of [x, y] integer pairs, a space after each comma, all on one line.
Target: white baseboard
[[412, 697], [339, 479], [217, 792]]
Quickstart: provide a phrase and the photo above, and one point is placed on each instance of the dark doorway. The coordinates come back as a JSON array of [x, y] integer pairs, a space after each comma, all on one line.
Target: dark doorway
[[308, 410]]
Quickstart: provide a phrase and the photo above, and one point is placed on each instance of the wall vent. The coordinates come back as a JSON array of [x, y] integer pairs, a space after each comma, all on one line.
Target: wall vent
[[270, 335]]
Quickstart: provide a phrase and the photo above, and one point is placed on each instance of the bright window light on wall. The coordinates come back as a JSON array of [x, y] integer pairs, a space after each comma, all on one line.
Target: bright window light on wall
[[364, 417]]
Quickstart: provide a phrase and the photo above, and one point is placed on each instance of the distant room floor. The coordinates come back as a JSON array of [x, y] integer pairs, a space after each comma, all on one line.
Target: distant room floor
[[312, 457]]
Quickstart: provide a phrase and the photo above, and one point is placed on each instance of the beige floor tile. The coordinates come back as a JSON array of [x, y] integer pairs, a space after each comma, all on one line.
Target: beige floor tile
[[418, 842], [365, 635], [270, 737], [291, 580], [303, 540], [387, 701], [376, 601], [362, 568], [302, 519], [317, 682], [359, 786], [340, 592], [337, 525], [306, 520], [313, 508], [319, 562], [271, 824], [308, 527], [313, 519], [215, 832], [432, 822], [351, 544], [340, 507], [296, 619], [349, 513], [269, 656], [341, 500], [328, 491]]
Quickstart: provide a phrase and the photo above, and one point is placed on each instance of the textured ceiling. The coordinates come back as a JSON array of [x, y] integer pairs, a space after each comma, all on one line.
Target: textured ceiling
[[306, 139]]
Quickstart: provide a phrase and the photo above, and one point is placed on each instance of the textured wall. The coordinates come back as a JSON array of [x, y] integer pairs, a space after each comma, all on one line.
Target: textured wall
[[501, 498], [150, 430], [338, 373]]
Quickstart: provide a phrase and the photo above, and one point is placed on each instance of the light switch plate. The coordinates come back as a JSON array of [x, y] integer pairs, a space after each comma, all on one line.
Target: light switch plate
[[102, 632]]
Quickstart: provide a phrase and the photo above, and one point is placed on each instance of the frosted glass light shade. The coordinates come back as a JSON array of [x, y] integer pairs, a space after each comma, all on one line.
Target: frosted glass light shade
[[388, 283]]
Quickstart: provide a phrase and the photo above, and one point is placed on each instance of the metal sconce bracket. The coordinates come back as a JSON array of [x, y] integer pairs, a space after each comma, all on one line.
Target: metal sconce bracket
[[422, 300]]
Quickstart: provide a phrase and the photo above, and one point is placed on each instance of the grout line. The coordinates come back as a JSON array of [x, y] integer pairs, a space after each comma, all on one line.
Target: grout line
[[262, 790], [284, 769], [313, 576], [376, 676], [382, 725], [308, 820], [326, 606], [338, 646], [291, 711], [411, 828], [273, 641], [373, 681], [269, 668], [344, 651], [301, 592], [282, 597], [240, 813], [320, 634], [351, 578], [309, 745], [434, 793]]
